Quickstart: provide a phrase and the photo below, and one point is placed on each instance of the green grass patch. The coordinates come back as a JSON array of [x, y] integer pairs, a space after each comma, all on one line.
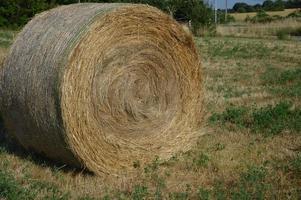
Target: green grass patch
[[201, 160], [252, 184], [234, 49], [12, 189], [7, 35], [195, 160], [203, 194], [5, 43], [296, 164], [6, 38], [284, 34], [283, 82], [269, 120], [276, 76], [140, 192]]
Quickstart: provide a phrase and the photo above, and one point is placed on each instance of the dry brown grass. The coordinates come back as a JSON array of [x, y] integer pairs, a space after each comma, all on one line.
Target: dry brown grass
[[242, 16], [258, 30]]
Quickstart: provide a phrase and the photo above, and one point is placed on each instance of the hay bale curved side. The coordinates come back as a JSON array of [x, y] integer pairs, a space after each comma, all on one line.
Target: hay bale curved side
[[102, 86]]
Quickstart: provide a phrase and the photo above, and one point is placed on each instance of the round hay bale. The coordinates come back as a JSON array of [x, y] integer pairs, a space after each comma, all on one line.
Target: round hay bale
[[102, 86]]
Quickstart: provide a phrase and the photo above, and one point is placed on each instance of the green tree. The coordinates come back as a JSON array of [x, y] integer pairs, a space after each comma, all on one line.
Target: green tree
[[195, 11], [279, 5], [261, 17], [15, 13], [293, 4], [243, 7], [269, 5]]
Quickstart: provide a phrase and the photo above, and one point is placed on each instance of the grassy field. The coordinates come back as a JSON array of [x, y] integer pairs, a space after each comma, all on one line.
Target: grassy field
[[259, 30], [242, 16], [250, 146]]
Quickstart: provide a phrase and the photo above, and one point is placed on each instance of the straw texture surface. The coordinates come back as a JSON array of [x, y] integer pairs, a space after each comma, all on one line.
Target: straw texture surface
[[102, 86]]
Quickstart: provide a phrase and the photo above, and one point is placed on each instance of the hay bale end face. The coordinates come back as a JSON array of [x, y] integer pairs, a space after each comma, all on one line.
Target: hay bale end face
[[102, 86]]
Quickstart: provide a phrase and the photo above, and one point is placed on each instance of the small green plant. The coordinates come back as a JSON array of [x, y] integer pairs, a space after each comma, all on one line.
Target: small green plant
[[282, 34], [261, 17], [140, 192], [248, 18], [252, 184], [296, 164], [219, 147], [106, 197], [201, 160], [152, 167], [160, 185], [253, 175], [203, 194], [233, 115], [10, 189], [152, 171], [219, 191]]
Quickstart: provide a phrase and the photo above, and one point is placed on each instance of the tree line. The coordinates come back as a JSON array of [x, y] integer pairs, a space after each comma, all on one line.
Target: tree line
[[268, 5], [16, 13]]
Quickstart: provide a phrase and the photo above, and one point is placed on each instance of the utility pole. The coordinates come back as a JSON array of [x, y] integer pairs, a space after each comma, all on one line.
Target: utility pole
[[226, 13], [215, 12]]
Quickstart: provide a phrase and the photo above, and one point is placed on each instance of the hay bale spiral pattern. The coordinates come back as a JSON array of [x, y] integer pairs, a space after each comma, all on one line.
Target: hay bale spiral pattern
[[102, 85]]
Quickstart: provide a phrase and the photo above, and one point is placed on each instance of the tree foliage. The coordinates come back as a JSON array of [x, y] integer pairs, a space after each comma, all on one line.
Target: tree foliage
[[268, 5], [242, 8], [293, 4], [15, 13]]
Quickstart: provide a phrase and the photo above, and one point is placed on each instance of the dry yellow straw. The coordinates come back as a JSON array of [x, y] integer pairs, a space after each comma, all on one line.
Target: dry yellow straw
[[102, 86]]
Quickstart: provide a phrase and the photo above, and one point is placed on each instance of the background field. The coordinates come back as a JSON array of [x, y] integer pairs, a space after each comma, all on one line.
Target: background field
[[270, 30], [250, 147], [242, 16]]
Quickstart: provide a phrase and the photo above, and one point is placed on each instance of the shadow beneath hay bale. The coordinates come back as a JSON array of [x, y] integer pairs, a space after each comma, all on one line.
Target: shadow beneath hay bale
[[11, 146]]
